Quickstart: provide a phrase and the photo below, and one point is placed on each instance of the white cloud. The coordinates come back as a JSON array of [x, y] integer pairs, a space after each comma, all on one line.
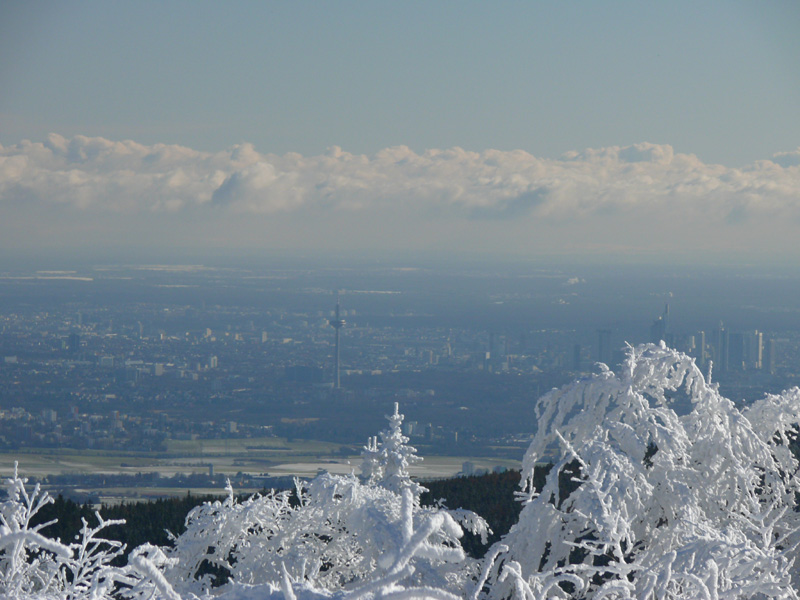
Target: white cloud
[[107, 175], [787, 159], [641, 187]]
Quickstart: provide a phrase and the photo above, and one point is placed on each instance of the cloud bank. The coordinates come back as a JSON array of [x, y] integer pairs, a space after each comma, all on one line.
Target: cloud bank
[[632, 186]]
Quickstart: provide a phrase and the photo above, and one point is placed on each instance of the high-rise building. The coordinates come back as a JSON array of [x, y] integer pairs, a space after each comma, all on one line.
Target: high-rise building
[[770, 356], [736, 351], [700, 349], [498, 351], [755, 350], [73, 342], [659, 330], [721, 348]]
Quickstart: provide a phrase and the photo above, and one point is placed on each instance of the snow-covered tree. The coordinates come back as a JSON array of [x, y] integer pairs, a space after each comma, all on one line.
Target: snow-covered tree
[[336, 537], [28, 559], [336, 533], [661, 488], [339, 537], [387, 464], [35, 566], [371, 463]]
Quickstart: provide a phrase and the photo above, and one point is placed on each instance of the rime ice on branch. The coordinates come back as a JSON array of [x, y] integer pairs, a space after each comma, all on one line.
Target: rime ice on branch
[[661, 488]]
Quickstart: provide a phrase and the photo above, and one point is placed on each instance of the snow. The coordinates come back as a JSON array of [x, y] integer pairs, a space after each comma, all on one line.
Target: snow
[[660, 489]]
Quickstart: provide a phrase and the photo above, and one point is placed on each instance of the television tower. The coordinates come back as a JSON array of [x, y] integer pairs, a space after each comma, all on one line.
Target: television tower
[[337, 323]]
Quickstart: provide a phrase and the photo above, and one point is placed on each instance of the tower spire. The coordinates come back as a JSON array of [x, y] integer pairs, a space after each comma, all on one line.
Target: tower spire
[[337, 323]]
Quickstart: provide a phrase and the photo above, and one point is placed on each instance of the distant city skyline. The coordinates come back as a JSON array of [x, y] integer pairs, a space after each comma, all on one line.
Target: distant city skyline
[[594, 131]]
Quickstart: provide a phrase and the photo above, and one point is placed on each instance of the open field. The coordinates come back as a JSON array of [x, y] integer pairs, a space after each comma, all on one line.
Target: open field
[[274, 457]]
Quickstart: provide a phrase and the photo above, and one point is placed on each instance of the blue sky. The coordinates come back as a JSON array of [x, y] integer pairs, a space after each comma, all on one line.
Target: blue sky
[[717, 81]]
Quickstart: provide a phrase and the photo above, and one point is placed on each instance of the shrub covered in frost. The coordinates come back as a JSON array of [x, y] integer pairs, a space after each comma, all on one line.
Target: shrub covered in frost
[[34, 566], [661, 489], [335, 534], [335, 537]]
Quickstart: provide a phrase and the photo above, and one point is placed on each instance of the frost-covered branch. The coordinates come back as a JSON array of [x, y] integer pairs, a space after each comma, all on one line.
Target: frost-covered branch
[[660, 488]]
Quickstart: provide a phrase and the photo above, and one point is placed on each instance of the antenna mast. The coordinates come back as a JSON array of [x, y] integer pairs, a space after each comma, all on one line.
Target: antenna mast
[[337, 323]]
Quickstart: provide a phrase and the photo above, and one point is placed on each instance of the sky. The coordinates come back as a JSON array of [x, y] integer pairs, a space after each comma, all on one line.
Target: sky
[[619, 131]]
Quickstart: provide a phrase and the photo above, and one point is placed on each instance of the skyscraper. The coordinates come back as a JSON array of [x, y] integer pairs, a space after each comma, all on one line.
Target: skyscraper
[[770, 357], [659, 330], [736, 351], [700, 349], [755, 350], [721, 337]]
